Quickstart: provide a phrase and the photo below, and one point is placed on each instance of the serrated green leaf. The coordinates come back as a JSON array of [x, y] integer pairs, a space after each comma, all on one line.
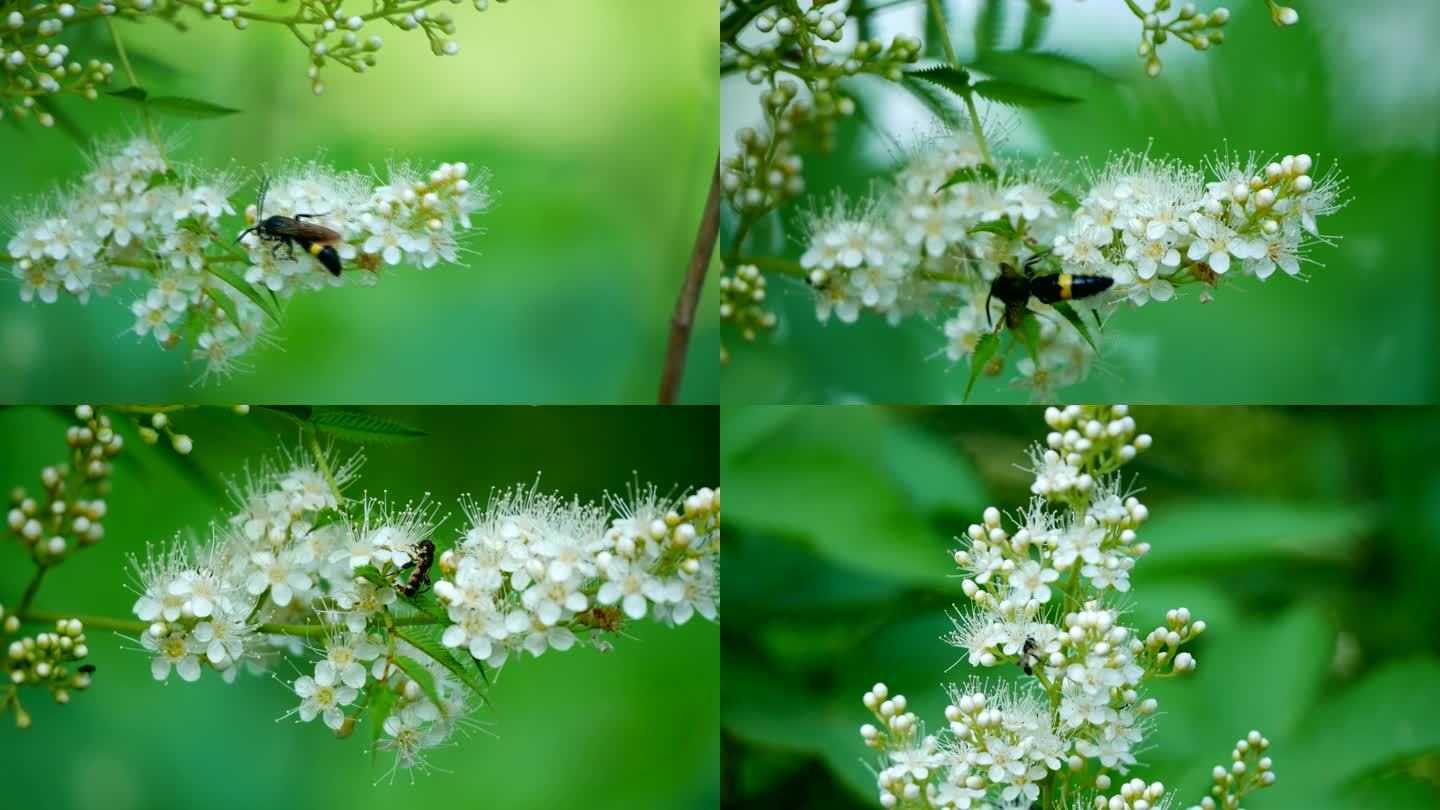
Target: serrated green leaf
[[63, 121], [1019, 95], [299, 414], [417, 672], [1042, 69], [1068, 313], [192, 108], [431, 646], [954, 79], [428, 604], [327, 517], [984, 350], [364, 428], [236, 281]]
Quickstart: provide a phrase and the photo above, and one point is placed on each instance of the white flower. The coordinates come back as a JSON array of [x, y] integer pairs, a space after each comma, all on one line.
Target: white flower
[[1081, 246], [630, 585], [223, 638], [475, 628], [1215, 242], [344, 660], [549, 600], [200, 590], [1149, 253], [1002, 761], [323, 699], [176, 649], [1278, 249], [277, 573], [1031, 581], [918, 759]]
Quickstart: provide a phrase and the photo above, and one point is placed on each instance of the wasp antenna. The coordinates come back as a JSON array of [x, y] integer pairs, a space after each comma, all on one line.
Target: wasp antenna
[[245, 233]]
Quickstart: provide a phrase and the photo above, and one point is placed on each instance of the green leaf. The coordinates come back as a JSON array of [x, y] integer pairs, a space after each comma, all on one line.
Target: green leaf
[[193, 108], [984, 350], [1019, 95], [954, 79], [237, 282], [1001, 226], [1384, 719], [445, 657], [364, 428], [1189, 533], [379, 709], [937, 475], [227, 305], [1068, 313], [328, 517], [1065, 198], [1030, 336], [299, 414], [969, 174], [1042, 69], [743, 429], [427, 603], [135, 95], [420, 675], [865, 519]]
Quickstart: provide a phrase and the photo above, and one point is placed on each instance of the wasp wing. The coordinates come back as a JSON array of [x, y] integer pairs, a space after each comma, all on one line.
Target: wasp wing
[[303, 231]]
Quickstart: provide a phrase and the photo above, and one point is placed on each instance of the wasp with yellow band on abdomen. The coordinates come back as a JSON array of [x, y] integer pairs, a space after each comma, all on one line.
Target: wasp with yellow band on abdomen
[[287, 232], [1014, 288]]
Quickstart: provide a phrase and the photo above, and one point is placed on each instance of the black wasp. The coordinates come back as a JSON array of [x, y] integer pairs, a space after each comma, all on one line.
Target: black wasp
[[424, 553], [287, 232], [1014, 289]]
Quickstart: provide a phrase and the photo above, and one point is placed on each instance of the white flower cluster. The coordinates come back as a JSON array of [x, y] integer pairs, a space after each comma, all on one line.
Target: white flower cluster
[[940, 234], [532, 568], [69, 514], [298, 560], [1042, 596], [267, 563], [137, 217]]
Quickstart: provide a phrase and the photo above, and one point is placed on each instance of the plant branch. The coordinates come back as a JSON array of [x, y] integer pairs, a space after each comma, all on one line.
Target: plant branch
[[139, 626], [33, 587], [683, 320], [135, 83], [938, 9]]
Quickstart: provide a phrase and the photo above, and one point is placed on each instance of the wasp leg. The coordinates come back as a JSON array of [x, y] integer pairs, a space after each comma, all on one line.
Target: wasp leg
[[311, 216]]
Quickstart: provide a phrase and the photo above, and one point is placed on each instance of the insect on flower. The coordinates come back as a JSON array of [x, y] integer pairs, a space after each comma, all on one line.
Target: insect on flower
[[424, 557], [1030, 656], [287, 232], [1014, 288]]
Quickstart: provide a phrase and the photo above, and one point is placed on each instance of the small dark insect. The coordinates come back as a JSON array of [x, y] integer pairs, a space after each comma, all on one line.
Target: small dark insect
[[287, 232], [1014, 289], [87, 668], [424, 554], [1030, 656]]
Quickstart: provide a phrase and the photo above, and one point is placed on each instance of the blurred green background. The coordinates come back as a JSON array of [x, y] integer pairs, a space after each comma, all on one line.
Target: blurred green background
[[1351, 84], [1308, 539], [631, 729], [598, 123]]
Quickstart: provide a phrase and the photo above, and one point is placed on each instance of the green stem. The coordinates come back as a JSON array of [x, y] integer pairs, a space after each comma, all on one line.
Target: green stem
[[32, 587], [135, 83], [323, 464], [938, 10], [975, 125]]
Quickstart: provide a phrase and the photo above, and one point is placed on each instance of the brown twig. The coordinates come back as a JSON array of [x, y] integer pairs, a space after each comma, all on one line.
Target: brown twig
[[684, 317]]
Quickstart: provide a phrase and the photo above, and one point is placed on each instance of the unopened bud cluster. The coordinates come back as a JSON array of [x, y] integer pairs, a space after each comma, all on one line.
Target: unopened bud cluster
[[1199, 29], [742, 302], [799, 42], [1250, 769], [45, 661], [68, 511], [36, 67]]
